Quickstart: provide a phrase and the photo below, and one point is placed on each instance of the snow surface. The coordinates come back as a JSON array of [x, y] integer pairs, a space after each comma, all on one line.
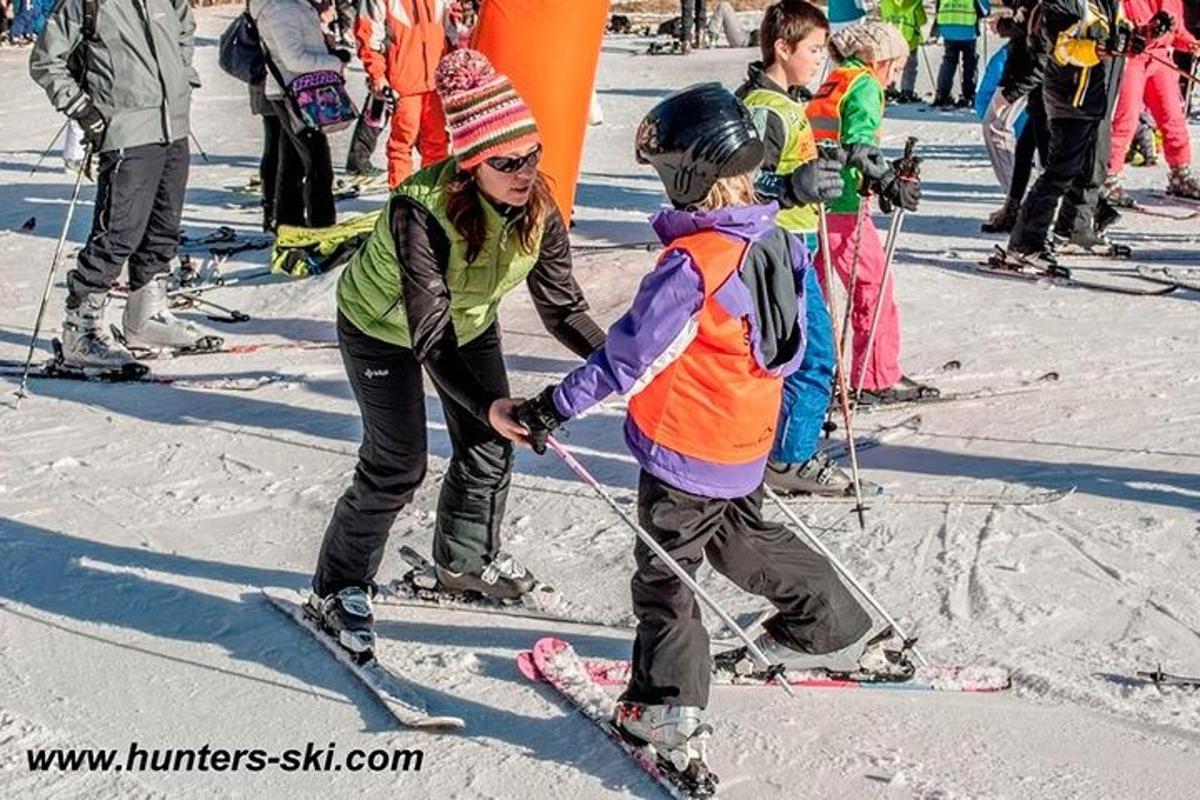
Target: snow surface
[[139, 521]]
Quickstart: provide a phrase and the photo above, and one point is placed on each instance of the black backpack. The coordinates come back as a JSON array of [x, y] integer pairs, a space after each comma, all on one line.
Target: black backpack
[[240, 51]]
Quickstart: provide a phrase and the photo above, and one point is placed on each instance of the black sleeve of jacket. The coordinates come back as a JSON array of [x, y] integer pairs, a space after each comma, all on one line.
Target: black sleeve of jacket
[[423, 251], [1058, 15], [556, 295], [774, 140], [1024, 69]]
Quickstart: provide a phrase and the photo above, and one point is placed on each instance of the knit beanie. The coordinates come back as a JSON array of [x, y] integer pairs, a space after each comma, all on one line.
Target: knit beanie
[[484, 114], [870, 41]]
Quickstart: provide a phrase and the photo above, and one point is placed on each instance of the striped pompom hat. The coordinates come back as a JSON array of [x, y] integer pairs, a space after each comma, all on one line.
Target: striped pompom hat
[[484, 114]]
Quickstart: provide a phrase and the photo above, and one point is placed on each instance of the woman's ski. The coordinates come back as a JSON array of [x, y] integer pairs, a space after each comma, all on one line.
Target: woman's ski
[[405, 705]]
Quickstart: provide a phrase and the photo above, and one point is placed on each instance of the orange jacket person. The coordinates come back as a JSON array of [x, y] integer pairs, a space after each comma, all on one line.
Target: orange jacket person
[[400, 43]]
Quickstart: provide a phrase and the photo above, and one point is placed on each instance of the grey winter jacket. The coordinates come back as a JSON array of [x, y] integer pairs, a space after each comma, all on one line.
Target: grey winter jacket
[[139, 68], [291, 33]]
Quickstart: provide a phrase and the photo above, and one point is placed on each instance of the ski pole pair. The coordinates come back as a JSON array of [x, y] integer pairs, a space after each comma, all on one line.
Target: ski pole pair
[[801, 530], [775, 671]]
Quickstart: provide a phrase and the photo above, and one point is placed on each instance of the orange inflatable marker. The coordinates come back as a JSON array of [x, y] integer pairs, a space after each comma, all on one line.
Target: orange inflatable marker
[[549, 49]]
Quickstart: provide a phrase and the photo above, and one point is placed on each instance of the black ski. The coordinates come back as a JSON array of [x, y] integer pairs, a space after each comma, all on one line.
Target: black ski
[[998, 264], [1160, 679], [1181, 277]]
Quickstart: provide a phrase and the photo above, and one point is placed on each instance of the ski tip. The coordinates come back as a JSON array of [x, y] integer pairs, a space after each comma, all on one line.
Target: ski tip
[[547, 649], [527, 667]]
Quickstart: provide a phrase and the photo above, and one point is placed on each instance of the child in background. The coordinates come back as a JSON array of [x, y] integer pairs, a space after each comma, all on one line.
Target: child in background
[[957, 23], [909, 18], [848, 110], [792, 38]]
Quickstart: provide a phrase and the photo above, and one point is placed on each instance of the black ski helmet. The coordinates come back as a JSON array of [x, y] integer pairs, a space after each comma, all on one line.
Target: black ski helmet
[[696, 136]]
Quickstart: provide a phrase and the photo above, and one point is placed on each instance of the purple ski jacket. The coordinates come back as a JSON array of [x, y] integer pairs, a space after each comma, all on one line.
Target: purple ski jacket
[[766, 291]]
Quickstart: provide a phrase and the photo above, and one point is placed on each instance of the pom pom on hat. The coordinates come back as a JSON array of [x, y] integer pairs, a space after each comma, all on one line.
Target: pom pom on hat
[[462, 71], [485, 116]]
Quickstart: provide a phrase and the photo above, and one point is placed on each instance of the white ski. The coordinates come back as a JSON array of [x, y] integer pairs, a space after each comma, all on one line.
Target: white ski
[[404, 704]]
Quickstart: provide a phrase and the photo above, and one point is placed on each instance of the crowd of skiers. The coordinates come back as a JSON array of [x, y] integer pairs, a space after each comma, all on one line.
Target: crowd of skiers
[[730, 354], [1072, 92]]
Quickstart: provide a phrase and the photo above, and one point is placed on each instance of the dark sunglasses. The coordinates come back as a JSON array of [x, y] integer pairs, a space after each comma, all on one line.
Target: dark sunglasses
[[511, 164]]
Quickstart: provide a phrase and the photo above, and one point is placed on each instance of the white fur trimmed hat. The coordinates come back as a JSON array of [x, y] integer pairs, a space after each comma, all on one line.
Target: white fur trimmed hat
[[870, 41]]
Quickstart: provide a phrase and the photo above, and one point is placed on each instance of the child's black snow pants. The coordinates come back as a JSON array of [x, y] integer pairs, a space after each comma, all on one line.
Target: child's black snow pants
[[671, 661]]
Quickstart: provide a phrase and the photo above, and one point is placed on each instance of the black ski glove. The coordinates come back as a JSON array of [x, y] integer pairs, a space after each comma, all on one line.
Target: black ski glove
[[1125, 41], [819, 180], [540, 417], [92, 122], [1159, 25], [869, 160], [901, 186]]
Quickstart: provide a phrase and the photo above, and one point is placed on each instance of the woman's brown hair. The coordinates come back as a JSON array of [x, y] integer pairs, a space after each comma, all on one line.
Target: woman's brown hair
[[464, 209]]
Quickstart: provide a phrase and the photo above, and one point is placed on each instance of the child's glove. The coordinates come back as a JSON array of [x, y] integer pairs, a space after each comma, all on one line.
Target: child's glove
[[868, 160], [540, 417], [819, 180], [901, 186], [1159, 25]]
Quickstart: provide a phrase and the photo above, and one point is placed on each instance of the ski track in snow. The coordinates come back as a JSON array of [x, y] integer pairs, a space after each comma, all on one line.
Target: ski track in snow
[[138, 522]]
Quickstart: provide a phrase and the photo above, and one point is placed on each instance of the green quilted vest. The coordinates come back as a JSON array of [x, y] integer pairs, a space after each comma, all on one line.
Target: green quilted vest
[[799, 148], [369, 291]]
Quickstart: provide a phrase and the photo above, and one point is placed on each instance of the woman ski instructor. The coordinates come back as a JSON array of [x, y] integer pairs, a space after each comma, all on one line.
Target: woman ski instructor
[[422, 293]]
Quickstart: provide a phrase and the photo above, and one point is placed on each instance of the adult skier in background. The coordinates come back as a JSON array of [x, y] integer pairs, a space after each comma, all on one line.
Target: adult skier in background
[[1019, 90], [400, 43], [129, 86], [1086, 44]]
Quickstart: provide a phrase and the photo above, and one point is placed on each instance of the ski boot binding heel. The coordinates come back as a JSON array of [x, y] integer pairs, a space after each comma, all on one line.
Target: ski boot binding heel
[[819, 476], [905, 390], [349, 617], [678, 738], [874, 657], [503, 578]]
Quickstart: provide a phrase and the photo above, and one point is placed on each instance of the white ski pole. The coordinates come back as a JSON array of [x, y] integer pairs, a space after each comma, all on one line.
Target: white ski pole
[[679, 571], [819, 546], [58, 251], [841, 386]]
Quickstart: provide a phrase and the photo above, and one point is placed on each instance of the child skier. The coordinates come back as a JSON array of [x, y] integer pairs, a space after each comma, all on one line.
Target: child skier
[[702, 353], [909, 18], [792, 38], [1150, 81], [957, 23], [848, 110]]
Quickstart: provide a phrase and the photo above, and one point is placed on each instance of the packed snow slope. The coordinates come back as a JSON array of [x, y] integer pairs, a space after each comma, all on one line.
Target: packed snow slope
[[137, 522]]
